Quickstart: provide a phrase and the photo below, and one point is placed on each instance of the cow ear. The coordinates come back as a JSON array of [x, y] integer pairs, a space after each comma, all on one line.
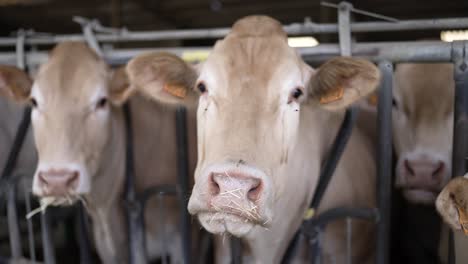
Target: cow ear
[[342, 81], [119, 88], [15, 84], [163, 77], [452, 203]]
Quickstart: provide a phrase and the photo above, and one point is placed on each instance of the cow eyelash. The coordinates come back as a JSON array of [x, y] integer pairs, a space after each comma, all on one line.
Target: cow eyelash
[[394, 103], [295, 94], [33, 102], [101, 103], [201, 87]]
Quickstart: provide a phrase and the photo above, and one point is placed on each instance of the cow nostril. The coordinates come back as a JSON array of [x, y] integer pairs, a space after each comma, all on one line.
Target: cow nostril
[[438, 170], [254, 193], [42, 180], [408, 168], [72, 182], [214, 186]]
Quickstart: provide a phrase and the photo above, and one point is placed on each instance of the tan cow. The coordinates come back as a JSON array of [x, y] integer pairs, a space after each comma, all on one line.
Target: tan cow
[[79, 132], [265, 122], [422, 128]]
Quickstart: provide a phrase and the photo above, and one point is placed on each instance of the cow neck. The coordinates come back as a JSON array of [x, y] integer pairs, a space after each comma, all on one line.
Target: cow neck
[[330, 162], [110, 175]]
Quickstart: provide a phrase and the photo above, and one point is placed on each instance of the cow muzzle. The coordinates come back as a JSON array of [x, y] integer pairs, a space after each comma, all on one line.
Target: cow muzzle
[[231, 200], [60, 182], [421, 177]]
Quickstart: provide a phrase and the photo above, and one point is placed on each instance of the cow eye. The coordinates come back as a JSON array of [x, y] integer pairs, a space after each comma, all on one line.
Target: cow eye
[[33, 102], [394, 103], [296, 93], [101, 103], [201, 87]]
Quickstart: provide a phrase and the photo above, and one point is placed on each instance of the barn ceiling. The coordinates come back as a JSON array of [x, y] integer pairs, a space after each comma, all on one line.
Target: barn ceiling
[[55, 15]]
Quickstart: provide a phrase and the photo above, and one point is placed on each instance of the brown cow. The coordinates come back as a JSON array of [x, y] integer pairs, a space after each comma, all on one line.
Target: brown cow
[[265, 122], [79, 132], [423, 128]]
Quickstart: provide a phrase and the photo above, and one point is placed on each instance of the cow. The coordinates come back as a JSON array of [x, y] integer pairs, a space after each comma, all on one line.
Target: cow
[[422, 129], [423, 98], [266, 121], [79, 131]]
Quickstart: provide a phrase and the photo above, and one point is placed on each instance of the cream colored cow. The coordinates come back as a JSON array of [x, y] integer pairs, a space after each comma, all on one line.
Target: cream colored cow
[[265, 122], [422, 128], [80, 136]]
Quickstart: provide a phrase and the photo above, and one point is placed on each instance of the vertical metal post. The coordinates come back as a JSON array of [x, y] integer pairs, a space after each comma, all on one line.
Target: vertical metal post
[[82, 234], [32, 247], [460, 122], [384, 166], [183, 174], [13, 223], [135, 217], [236, 253], [49, 254], [344, 30]]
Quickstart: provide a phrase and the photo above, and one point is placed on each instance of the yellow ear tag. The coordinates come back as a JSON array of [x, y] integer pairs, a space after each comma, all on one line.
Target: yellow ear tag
[[309, 213], [373, 99], [332, 96], [463, 220], [175, 90]]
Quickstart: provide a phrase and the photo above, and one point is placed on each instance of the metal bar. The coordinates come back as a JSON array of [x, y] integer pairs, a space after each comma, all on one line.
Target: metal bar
[[135, 220], [460, 122], [13, 224], [384, 166], [334, 214], [82, 234], [31, 244], [48, 248], [305, 28], [183, 175], [406, 51], [349, 239], [20, 60], [344, 32], [236, 250]]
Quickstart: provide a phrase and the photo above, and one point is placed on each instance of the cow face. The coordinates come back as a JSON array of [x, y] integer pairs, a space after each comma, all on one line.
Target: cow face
[[423, 127], [71, 99], [452, 203], [251, 91]]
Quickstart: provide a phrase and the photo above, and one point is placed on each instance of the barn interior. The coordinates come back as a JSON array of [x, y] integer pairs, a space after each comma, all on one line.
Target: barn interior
[[411, 242]]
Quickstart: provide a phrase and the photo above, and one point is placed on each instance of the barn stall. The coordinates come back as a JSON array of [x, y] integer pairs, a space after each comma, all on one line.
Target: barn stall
[[371, 30]]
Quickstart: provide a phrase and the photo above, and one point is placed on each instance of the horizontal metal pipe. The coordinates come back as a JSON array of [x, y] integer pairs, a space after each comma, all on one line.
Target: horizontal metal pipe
[[305, 28], [415, 51]]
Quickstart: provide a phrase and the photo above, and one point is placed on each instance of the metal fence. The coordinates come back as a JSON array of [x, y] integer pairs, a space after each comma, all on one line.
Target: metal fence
[[384, 53]]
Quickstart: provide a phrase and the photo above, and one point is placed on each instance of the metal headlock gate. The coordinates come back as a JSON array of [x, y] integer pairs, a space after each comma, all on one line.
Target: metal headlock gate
[[384, 53]]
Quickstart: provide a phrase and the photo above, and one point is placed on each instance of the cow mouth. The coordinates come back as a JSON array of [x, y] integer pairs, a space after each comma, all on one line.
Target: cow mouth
[[237, 224], [46, 201], [420, 195]]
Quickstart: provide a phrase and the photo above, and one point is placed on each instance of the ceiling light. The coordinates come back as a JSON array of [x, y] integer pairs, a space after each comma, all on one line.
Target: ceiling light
[[301, 42], [451, 35]]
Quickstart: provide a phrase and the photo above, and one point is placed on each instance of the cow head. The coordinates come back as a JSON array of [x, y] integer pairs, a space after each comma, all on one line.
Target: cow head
[[422, 128], [72, 97], [251, 91], [452, 203]]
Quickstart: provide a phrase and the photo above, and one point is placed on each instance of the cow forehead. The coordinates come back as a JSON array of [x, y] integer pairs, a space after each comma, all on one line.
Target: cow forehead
[[421, 86], [257, 66], [73, 71]]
